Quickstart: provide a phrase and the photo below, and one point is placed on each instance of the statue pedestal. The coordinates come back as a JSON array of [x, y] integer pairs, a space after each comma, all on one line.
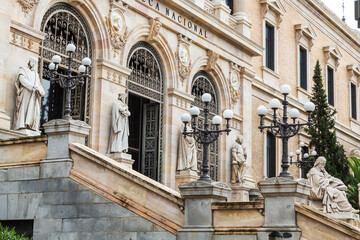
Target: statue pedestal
[[28, 132], [239, 193], [345, 215], [185, 176], [122, 158]]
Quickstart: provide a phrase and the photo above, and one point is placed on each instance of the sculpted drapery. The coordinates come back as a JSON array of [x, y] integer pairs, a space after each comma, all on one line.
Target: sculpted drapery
[[187, 158], [328, 189], [119, 132], [239, 166], [29, 92]]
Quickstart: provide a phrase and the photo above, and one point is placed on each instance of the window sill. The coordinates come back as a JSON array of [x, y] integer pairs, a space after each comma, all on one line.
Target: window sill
[[270, 77], [354, 125], [272, 72], [303, 95]]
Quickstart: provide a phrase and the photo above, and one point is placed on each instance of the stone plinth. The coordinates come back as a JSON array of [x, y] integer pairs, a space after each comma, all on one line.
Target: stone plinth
[[280, 196], [122, 158], [239, 193], [199, 196], [185, 176], [60, 133], [29, 132]]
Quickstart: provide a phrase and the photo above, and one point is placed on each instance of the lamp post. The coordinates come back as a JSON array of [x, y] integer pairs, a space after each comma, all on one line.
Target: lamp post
[[68, 81], [281, 128], [205, 135], [305, 160]]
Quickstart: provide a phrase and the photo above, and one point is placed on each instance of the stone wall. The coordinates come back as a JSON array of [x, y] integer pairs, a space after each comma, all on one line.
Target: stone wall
[[64, 209]]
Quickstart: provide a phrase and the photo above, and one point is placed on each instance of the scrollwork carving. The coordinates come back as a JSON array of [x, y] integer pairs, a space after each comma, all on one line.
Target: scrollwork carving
[[27, 5], [117, 29], [213, 57], [155, 29]]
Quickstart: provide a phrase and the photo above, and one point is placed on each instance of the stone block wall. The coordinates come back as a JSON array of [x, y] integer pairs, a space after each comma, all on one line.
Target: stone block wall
[[65, 210]]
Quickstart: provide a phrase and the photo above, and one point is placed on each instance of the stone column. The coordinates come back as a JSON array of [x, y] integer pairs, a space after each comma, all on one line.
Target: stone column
[[243, 23], [221, 10], [280, 196], [199, 196], [60, 133]]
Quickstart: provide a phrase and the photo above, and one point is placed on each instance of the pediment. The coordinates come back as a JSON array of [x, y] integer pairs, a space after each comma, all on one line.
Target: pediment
[[354, 70], [306, 29], [275, 5], [332, 51]]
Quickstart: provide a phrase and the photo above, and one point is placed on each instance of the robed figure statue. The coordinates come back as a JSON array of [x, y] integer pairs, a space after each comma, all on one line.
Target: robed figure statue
[[328, 189], [119, 132], [238, 163], [187, 158], [28, 98]]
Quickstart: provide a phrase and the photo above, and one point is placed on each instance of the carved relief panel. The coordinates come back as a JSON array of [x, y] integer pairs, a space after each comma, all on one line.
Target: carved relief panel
[[183, 57]]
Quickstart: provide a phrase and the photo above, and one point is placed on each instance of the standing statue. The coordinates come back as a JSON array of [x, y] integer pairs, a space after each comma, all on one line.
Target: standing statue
[[119, 132], [328, 189], [239, 166], [187, 158], [28, 96]]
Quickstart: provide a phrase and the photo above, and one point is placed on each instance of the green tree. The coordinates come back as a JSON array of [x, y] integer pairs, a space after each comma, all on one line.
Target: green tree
[[9, 234], [322, 132], [353, 193]]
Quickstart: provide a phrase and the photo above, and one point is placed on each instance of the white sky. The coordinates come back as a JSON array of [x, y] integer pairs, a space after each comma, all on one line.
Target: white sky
[[336, 7]]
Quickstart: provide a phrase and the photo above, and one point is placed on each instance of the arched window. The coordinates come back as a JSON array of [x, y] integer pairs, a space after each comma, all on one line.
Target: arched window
[[146, 99], [63, 25], [202, 83]]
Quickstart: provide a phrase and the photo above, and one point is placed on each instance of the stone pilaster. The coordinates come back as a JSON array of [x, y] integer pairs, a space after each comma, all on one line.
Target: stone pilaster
[[199, 196], [280, 196], [60, 133], [243, 24]]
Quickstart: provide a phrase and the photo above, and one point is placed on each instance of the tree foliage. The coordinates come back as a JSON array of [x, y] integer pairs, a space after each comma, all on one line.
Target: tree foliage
[[322, 132], [353, 192], [9, 234]]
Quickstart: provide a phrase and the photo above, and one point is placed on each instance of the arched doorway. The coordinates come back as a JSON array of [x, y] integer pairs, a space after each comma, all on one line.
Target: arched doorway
[[63, 25], [146, 99], [203, 83]]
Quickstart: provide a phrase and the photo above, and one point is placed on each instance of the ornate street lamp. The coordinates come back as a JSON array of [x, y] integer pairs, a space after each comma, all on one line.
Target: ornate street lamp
[[281, 128], [305, 160], [205, 135], [68, 81]]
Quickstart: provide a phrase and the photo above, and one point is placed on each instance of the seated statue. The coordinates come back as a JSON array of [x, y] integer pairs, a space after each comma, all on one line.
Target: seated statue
[[328, 189]]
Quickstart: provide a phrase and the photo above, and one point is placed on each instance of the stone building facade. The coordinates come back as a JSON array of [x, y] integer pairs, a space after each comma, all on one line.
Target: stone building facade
[[165, 54]]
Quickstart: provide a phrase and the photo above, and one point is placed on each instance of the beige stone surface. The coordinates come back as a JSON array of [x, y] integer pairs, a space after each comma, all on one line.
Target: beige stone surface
[[237, 216], [22, 151], [316, 225]]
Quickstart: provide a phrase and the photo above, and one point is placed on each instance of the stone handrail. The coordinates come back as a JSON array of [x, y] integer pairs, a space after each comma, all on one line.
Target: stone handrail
[[145, 197]]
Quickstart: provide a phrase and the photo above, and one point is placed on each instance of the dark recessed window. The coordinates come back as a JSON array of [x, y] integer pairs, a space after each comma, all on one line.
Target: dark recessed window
[[270, 155], [303, 68], [353, 101], [270, 47], [230, 4], [330, 86]]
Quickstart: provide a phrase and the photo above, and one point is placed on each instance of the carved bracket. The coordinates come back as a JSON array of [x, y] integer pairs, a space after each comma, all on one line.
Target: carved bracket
[[27, 5], [213, 57], [155, 29]]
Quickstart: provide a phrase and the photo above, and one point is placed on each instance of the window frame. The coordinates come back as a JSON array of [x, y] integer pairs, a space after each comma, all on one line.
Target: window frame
[[333, 83], [307, 72], [356, 101]]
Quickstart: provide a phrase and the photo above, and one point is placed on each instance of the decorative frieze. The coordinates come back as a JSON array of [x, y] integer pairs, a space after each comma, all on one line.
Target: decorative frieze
[[235, 123], [25, 37], [213, 57], [116, 78], [183, 57], [116, 25], [154, 30], [27, 5]]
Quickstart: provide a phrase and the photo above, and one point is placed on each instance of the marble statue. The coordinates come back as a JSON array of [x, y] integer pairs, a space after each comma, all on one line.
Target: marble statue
[[328, 189], [119, 132], [187, 157], [28, 98], [239, 166]]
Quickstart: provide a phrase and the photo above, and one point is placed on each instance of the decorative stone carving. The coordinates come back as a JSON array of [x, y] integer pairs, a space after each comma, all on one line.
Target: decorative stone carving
[[328, 189], [154, 30], [332, 53], [274, 6], [239, 166], [117, 28], [183, 57], [234, 82], [213, 57], [119, 132], [187, 156], [355, 152], [28, 98], [27, 5], [306, 32]]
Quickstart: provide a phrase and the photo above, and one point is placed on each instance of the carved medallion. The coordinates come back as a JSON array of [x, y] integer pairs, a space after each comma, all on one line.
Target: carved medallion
[[117, 29], [27, 5], [183, 57], [234, 82]]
